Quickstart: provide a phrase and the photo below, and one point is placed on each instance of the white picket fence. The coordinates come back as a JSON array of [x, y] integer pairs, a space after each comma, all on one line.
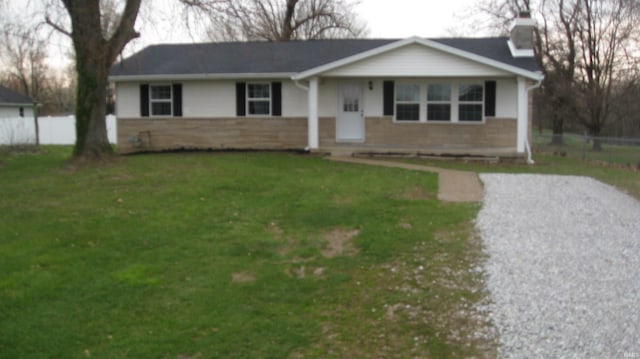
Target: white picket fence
[[53, 130]]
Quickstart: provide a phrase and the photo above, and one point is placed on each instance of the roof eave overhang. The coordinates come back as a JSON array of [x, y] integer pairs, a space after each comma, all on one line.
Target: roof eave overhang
[[317, 71], [14, 104], [188, 77]]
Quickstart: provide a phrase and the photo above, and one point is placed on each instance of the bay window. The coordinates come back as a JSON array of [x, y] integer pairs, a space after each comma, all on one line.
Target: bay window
[[439, 100]]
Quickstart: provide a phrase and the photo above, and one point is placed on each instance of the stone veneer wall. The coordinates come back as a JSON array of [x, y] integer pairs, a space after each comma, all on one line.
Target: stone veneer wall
[[158, 134], [494, 133]]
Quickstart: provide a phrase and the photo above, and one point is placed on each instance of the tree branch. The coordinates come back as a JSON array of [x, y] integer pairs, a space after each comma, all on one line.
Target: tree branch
[[56, 27], [125, 31]]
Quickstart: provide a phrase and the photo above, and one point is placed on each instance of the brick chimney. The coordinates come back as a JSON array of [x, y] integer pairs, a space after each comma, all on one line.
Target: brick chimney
[[521, 35]]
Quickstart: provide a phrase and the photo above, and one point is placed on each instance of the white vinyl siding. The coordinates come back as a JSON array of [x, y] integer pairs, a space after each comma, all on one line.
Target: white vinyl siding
[[208, 99], [506, 98], [416, 59], [127, 99], [11, 111]]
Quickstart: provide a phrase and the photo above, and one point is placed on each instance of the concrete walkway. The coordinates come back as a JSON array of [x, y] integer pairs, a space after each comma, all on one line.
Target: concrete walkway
[[453, 186]]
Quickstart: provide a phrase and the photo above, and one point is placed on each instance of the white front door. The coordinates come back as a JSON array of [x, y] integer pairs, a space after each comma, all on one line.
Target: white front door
[[350, 121]]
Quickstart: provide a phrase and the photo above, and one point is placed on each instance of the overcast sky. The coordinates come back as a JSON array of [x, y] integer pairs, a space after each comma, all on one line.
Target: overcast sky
[[405, 18], [384, 18]]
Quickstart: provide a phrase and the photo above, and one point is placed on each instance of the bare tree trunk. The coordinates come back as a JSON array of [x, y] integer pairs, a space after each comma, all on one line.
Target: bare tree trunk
[[287, 24], [91, 128], [557, 127], [596, 142]]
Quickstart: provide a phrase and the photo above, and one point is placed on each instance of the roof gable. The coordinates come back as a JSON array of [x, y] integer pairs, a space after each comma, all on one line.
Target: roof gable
[[411, 60], [10, 97], [407, 58]]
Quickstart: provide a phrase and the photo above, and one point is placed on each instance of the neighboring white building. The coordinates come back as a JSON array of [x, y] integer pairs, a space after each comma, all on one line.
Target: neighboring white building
[[13, 104]]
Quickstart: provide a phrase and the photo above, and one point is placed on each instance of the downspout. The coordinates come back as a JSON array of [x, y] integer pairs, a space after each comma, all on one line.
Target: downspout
[[300, 86], [527, 146]]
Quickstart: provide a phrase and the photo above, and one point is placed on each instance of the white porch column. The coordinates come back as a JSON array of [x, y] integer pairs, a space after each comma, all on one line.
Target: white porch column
[[523, 114], [313, 114]]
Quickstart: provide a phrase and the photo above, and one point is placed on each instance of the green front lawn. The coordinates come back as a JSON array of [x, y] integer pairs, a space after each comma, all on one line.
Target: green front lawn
[[238, 255]]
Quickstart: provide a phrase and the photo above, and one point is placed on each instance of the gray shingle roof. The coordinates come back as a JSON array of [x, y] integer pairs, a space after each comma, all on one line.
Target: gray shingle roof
[[282, 57], [495, 48], [11, 97]]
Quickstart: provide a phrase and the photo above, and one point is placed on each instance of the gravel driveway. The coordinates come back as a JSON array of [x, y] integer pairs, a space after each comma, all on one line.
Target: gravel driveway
[[563, 266]]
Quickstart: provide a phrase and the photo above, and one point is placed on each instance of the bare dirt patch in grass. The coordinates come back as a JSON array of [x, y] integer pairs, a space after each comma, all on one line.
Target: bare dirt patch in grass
[[339, 242], [243, 277], [274, 228], [405, 225], [301, 271]]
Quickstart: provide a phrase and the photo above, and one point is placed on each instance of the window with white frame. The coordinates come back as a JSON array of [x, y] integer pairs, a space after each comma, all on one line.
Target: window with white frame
[[470, 102], [439, 102], [408, 102], [160, 100], [258, 98]]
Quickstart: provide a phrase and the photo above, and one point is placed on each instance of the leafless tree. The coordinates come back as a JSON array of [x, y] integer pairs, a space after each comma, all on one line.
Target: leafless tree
[[605, 29], [24, 57], [626, 110], [60, 95], [281, 20], [586, 48], [501, 13], [557, 51]]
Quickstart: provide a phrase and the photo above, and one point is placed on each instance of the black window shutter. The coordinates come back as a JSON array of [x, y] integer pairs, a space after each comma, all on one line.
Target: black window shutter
[[276, 99], [144, 100], [490, 98], [388, 88], [241, 98], [177, 100]]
